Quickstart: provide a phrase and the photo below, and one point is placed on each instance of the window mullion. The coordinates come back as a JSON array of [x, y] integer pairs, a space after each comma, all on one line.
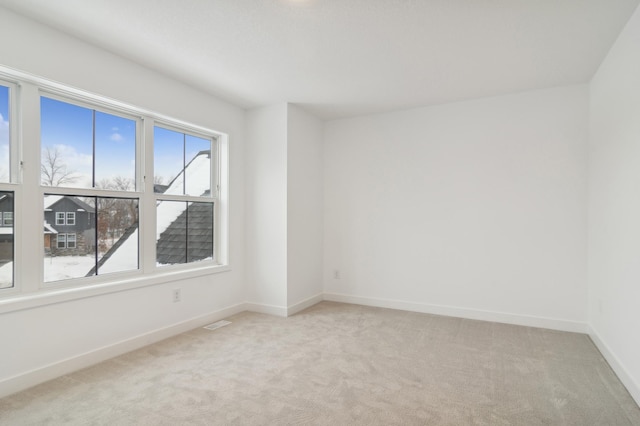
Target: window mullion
[[148, 202], [29, 206]]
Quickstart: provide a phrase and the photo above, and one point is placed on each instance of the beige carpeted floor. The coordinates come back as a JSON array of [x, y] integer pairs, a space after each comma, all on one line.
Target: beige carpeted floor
[[338, 364]]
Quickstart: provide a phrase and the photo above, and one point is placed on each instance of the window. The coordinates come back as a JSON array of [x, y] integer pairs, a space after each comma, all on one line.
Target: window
[[86, 148], [71, 241], [96, 158], [6, 240], [105, 185], [185, 201], [7, 218], [6, 189]]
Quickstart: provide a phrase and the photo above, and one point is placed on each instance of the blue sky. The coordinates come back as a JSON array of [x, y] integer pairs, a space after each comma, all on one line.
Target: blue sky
[[4, 133], [173, 150], [69, 129], [4, 102]]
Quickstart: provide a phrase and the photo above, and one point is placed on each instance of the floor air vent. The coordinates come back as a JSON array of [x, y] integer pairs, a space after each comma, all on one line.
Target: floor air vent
[[217, 325]]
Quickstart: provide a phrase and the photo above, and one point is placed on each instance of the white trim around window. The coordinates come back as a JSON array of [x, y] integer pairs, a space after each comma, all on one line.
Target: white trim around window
[[29, 289]]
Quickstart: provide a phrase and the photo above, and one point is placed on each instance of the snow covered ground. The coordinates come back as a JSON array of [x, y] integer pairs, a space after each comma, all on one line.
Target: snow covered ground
[[65, 267], [55, 268], [6, 275]]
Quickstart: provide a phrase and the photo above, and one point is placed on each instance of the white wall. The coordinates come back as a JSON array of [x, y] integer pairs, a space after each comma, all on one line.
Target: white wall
[[266, 201], [304, 206], [284, 209], [475, 208], [45, 340], [614, 206]]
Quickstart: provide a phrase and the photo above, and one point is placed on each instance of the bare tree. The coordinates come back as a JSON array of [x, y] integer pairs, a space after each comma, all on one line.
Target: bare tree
[[115, 214], [53, 170]]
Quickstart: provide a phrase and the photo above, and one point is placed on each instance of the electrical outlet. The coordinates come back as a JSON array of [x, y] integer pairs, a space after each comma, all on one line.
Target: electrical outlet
[[177, 295]]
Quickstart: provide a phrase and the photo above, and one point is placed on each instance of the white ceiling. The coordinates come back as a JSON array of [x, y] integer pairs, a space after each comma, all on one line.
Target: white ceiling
[[341, 58]]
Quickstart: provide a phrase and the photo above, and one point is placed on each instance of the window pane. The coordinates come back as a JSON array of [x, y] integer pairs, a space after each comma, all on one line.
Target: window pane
[[199, 231], [84, 148], [198, 167], [6, 241], [184, 233], [171, 235], [66, 143], [86, 243], [64, 260], [7, 218], [115, 152], [71, 240], [117, 235], [182, 163], [168, 160], [5, 158]]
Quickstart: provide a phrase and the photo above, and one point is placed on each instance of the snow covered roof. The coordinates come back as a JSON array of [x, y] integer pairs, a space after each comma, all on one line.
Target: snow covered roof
[[48, 229], [195, 179]]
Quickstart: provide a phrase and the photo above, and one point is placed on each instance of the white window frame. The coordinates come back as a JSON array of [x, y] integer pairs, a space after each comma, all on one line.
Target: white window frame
[[12, 185], [14, 133], [61, 218], [71, 237], [7, 218], [136, 194], [212, 198], [61, 238], [70, 218]]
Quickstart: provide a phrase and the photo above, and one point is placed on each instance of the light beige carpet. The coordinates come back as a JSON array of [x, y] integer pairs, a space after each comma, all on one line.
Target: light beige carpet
[[338, 364]]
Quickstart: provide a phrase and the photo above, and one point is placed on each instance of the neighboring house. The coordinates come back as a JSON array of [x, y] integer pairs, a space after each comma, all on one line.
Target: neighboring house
[[49, 234], [71, 223], [6, 227]]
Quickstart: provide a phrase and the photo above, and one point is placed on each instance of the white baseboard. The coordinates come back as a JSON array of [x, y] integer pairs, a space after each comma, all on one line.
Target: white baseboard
[[618, 367], [34, 377], [452, 311], [304, 304], [263, 308]]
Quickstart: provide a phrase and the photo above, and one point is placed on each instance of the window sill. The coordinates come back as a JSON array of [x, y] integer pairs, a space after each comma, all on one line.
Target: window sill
[[48, 296]]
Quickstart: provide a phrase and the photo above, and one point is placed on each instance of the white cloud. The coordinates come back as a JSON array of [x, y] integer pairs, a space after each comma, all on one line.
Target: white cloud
[[4, 162], [73, 158], [116, 137], [80, 164]]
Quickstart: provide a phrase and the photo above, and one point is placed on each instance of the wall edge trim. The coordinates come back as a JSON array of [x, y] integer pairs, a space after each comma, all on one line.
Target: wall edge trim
[[616, 365], [459, 312], [304, 304]]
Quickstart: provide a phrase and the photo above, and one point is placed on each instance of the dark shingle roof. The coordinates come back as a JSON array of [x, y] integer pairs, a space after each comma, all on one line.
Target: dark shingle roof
[[188, 238], [81, 204]]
